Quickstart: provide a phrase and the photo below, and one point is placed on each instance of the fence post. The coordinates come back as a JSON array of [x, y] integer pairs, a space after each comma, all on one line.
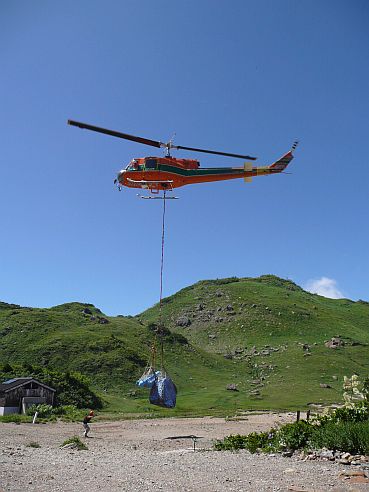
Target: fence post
[[297, 415]]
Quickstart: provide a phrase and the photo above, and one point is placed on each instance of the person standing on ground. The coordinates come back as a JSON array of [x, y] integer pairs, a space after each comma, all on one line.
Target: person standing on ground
[[86, 420]]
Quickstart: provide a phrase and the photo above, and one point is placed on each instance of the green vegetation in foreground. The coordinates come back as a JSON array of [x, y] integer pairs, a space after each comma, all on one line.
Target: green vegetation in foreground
[[33, 444], [265, 335], [76, 443], [16, 418], [351, 437], [346, 430]]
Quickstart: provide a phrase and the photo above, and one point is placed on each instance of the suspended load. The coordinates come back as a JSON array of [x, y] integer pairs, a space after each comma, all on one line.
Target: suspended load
[[148, 378], [163, 392]]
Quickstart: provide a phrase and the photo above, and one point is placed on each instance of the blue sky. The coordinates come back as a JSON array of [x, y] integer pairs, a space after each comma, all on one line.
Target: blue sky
[[240, 76]]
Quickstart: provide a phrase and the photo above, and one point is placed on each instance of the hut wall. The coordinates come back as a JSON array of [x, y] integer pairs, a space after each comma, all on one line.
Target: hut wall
[[13, 397], [7, 410]]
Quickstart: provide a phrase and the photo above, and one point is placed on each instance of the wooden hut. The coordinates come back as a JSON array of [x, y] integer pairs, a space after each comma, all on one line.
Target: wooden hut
[[17, 394]]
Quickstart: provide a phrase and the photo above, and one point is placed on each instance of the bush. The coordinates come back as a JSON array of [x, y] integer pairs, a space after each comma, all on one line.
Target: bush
[[360, 413], [65, 412], [294, 436], [263, 441], [290, 436], [68, 412], [44, 411], [351, 437], [230, 443]]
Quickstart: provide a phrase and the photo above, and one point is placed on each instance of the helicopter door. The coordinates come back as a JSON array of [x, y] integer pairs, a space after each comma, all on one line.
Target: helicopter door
[[151, 164]]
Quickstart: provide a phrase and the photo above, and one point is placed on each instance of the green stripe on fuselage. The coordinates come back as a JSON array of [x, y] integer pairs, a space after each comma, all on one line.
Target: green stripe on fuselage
[[211, 171], [199, 172]]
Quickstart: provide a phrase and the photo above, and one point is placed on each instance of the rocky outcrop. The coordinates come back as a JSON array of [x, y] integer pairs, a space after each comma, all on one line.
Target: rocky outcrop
[[334, 343], [232, 387], [183, 321]]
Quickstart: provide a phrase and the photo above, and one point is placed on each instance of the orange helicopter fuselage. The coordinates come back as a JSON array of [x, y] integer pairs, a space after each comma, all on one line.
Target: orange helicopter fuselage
[[164, 173]]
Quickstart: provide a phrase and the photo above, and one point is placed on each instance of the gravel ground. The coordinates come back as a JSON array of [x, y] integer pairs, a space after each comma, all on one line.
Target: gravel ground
[[145, 455]]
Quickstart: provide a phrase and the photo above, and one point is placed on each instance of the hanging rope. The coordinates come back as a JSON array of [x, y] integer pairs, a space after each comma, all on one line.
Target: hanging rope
[[160, 331], [160, 327], [162, 258]]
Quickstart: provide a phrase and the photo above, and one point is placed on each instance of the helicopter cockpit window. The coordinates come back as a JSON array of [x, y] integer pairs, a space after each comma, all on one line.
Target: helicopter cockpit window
[[132, 166], [150, 163]]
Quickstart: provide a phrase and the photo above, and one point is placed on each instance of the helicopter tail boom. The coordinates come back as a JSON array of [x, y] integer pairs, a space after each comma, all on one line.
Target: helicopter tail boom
[[280, 165]]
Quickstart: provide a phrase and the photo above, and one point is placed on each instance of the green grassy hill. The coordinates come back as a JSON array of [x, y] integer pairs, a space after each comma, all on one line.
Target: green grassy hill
[[265, 335]]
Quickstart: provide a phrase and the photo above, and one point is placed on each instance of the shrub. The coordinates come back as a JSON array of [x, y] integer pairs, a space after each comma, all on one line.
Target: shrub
[[290, 436], [177, 338], [68, 412], [359, 413], [44, 411], [254, 442], [33, 444], [351, 437], [230, 443], [65, 412], [294, 436], [262, 441]]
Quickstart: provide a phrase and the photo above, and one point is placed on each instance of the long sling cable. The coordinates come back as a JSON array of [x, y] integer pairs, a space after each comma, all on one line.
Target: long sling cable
[[161, 283]]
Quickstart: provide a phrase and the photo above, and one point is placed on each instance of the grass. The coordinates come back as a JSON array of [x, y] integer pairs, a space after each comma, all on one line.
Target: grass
[[33, 444], [267, 311], [15, 418], [351, 437], [76, 443]]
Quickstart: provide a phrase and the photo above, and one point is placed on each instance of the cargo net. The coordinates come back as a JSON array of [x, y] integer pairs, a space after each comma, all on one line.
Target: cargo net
[[163, 391]]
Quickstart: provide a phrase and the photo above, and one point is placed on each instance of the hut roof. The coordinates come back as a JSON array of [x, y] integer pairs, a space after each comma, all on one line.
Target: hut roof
[[10, 384]]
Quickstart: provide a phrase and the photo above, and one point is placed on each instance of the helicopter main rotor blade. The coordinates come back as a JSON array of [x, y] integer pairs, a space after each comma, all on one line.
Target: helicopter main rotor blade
[[153, 143], [113, 133], [214, 152]]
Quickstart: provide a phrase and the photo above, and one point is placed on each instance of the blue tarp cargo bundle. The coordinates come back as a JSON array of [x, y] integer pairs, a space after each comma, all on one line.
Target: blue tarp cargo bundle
[[163, 392], [148, 378]]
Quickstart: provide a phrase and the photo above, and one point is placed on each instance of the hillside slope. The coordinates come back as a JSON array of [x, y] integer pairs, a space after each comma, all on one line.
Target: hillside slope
[[266, 336], [279, 330], [112, 352]]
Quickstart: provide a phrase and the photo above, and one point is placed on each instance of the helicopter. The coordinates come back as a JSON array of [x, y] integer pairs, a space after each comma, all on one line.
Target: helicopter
[[167, 173]]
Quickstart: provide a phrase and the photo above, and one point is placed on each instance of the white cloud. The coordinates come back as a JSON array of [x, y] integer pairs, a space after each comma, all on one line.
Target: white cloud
[[324, 286]]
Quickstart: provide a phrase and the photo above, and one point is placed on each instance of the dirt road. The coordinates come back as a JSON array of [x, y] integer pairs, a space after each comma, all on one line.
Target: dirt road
[[148, 455]]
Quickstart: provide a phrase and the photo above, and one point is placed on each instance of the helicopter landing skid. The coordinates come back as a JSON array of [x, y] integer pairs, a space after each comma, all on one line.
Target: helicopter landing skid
[[158, 197]]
